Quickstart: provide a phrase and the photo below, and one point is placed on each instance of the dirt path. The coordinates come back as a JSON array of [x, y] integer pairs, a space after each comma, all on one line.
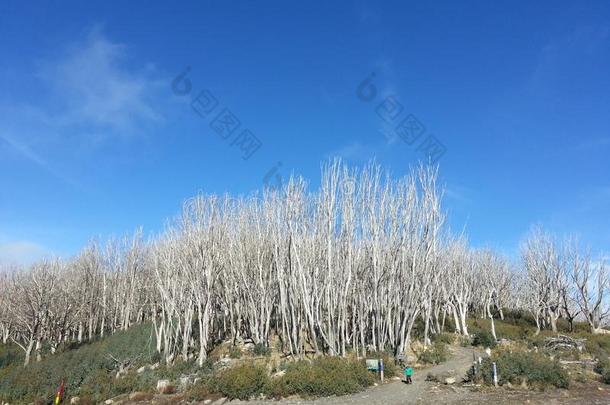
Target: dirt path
[[395, 392]]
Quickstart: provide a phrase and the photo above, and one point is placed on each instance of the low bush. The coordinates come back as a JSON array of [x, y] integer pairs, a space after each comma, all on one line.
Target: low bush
[[324, 376], [260, 349], [435, 354], [596, 344], [519, 318], [603, 367], [483, 338], [88, 370], [518, 367], [464, 341], [234, 352], [10, 354], [566, 354], [606, 375], [508, 329], [241, 382], [199, 391], [444, 337]]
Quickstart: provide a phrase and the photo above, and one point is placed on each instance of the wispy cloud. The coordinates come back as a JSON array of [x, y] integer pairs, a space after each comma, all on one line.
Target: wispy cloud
[[26, 152], [99, 89], [580, 47], [459, 193], [354, 151], [22, 252], [89, 93], [594, 143]]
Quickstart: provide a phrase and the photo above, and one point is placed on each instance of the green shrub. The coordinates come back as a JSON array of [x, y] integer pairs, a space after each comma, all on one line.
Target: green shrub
[[510, 328], [260, 349], [603, 367], [518, 367], [483, 338], [241, 382], [87, 370], [234, 352], [606, 376], [324, 376], [435, 354], [596, 344], [10, 354], [602, 364], [519, 318], [447, 338], [199, 391], [566, 354], [180, 368], [464, 341]]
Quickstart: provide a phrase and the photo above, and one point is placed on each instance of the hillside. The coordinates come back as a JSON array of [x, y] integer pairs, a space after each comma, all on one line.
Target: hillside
[[127, 363]]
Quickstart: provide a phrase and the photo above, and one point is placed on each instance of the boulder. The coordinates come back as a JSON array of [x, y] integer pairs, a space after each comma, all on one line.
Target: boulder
[[140, 396], [75, 400], [165, 387], [504, 342], [450, 380]]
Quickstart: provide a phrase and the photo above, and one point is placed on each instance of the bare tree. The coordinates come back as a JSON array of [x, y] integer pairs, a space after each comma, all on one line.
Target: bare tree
[[353, 263], [546, 269], [592, 283]]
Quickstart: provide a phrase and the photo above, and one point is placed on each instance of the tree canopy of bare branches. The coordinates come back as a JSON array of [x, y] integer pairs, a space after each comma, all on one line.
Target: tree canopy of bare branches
[[325, 271]]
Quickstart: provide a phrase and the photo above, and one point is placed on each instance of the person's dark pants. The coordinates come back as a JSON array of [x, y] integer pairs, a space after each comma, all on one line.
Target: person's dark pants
[[409, 380]]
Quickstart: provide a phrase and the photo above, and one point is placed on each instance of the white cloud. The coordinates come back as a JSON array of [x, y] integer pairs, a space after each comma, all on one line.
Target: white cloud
[[354, 151], [97, 88], [574, 52], [22, 252], [25, 151], [459, 193], [89, 94]]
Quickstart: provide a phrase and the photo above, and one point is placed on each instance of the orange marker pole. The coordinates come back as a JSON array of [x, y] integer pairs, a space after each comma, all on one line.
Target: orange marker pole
[[60, 393]]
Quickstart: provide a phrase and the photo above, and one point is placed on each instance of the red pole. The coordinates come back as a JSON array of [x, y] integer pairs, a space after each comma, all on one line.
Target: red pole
[[60, 393]]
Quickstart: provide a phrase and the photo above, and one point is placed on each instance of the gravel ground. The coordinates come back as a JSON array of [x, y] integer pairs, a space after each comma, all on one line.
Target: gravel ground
[[395, 392], [426, 392]]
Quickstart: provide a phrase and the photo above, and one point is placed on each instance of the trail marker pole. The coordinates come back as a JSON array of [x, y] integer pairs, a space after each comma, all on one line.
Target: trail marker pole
[[474, 364], [495, 373]]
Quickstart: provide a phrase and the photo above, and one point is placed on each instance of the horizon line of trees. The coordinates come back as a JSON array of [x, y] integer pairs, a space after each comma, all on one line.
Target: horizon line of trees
[[337, 269]]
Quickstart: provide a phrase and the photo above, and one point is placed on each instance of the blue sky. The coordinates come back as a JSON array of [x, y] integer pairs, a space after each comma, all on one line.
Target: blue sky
[[94, 142]]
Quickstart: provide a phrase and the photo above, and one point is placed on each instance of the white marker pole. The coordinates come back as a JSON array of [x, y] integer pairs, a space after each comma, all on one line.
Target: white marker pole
[[495, 374]]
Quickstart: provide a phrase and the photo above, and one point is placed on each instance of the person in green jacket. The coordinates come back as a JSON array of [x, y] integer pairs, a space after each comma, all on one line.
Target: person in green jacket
[[408, 375]]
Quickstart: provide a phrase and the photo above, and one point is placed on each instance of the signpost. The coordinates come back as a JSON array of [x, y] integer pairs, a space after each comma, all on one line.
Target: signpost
[[375, 365], [372, 365]]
